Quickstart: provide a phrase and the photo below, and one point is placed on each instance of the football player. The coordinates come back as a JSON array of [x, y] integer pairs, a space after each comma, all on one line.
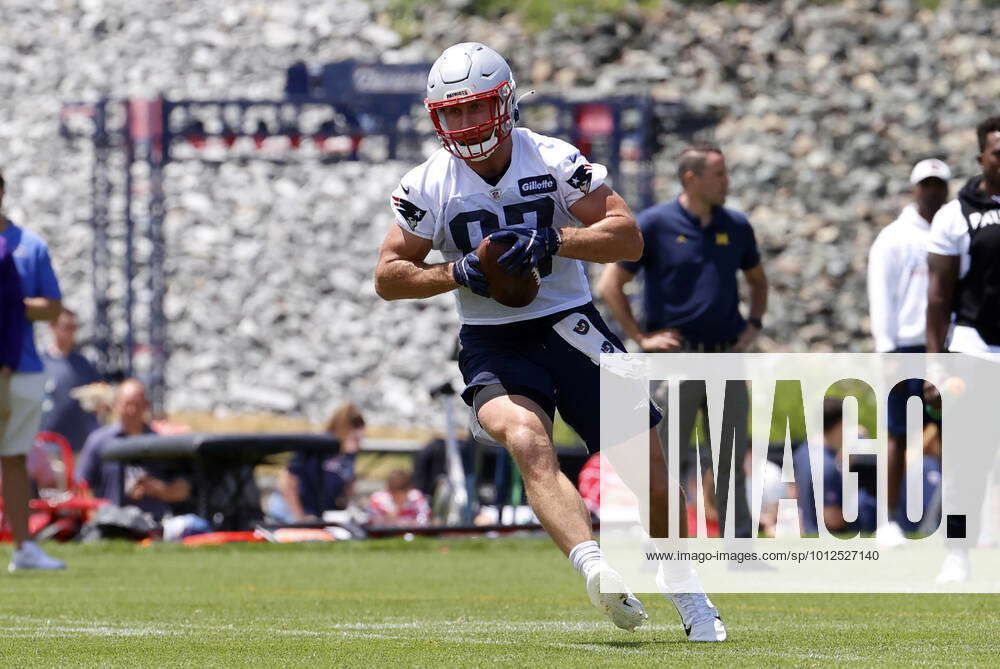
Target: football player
[[491, 179]]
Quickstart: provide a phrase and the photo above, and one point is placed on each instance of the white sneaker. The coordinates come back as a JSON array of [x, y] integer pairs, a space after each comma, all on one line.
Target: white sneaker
[[701, 619], [30, 556], [956, 568], [889, 535], [620, 605]]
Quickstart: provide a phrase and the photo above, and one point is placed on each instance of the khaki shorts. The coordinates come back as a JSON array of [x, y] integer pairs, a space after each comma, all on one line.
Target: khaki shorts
[[23, 401]]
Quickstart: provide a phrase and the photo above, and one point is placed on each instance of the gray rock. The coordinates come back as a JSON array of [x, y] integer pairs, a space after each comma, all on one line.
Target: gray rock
[[259, 397], [825, 107]]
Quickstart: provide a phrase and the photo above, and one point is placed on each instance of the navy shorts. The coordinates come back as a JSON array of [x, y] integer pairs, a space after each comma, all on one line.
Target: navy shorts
[[533, 359]]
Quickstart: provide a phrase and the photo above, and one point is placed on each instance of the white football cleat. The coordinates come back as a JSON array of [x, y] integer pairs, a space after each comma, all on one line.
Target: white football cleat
[[620, 605], [701, 619], [889, 535], [956, 568], [30, 556]]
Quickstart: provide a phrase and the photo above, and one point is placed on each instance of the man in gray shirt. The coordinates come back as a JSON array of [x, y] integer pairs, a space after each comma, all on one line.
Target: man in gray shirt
[[67, 369]]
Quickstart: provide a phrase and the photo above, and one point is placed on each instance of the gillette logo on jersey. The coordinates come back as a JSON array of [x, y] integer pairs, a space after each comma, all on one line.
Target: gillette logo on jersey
[[456, 209], [544, 183]]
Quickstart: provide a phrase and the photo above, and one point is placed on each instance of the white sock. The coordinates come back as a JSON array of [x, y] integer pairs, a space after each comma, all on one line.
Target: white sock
[[677, 576], [585, 556]]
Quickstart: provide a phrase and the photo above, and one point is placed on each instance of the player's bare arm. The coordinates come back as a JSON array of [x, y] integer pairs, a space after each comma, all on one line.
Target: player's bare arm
[[943, 274], [611, 288], [757, 280], [610, 231], [401, 272]]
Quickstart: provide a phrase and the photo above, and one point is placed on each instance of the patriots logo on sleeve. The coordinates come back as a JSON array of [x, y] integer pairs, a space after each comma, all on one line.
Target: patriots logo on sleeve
[[410, 212], [581, 178]]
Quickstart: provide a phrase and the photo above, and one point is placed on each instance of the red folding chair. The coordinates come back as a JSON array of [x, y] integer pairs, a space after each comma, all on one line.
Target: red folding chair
[[62, 510]]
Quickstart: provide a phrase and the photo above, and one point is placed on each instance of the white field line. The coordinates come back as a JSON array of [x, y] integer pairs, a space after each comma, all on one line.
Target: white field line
[[97, 630], [485, 626], [453, 631], [456, 631]]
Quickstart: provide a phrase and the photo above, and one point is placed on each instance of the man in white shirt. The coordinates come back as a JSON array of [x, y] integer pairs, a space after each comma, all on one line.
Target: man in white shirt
[[897, 299], [897, 264]]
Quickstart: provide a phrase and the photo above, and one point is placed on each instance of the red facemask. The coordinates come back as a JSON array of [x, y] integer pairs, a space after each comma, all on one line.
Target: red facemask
[[466, 143]]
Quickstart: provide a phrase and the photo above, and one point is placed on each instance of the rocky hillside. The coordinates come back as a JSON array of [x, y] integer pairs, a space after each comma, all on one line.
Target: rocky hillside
[[824, 108]]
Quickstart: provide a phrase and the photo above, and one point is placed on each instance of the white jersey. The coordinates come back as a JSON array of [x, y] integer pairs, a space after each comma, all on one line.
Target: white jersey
[[950, 235], [897, 282], [445, 201]]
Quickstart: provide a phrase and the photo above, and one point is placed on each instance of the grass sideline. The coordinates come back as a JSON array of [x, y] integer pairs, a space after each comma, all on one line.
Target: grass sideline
[[476, 602]]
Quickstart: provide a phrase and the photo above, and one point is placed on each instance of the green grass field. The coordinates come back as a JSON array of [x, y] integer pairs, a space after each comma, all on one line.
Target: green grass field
[[508, 602]]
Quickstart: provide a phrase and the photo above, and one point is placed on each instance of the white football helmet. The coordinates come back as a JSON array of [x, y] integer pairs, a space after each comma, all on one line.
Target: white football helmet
[[464, 73]]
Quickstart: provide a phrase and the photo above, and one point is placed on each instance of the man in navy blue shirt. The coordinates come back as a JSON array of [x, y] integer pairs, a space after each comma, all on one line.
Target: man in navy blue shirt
[[832, 498], [694, 249], [156, 488]]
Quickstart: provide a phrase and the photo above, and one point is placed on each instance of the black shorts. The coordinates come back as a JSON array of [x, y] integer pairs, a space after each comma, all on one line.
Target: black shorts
[[896, 423], [532, 358]]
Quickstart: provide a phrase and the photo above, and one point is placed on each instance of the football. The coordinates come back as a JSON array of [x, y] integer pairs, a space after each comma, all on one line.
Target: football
[[508, 289]]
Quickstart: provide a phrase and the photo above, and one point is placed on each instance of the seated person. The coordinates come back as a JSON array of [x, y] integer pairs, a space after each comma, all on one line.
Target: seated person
[[833, 479], [315, 482], [152, 487], [400, 504]]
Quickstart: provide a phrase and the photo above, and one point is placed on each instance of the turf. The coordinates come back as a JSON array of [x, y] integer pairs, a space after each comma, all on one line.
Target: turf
[[431, 603]]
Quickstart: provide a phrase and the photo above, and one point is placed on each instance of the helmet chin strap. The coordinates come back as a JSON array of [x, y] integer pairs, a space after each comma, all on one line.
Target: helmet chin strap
[[517, 104]]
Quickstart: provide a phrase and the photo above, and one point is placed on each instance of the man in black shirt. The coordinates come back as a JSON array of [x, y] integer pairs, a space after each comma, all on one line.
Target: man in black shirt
[[963, 260]]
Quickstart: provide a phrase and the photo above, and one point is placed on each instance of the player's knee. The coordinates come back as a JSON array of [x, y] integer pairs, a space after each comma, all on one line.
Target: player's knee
[[532, 450], [523, 438]]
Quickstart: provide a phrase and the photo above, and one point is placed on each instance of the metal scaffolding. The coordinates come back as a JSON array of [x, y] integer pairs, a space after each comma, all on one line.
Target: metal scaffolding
[[340, 110]]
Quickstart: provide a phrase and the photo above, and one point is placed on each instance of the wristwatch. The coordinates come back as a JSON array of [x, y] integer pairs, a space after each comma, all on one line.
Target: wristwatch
[[756, 322]]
